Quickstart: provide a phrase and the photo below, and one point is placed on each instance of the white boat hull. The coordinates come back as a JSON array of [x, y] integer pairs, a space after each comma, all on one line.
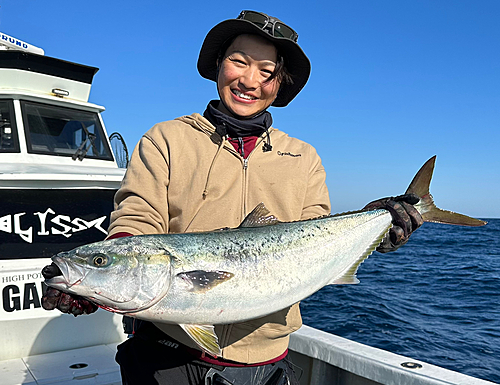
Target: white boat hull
[[28, 329]]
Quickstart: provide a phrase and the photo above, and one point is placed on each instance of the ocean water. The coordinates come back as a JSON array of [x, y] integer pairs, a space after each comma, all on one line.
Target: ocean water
[[436, 299]]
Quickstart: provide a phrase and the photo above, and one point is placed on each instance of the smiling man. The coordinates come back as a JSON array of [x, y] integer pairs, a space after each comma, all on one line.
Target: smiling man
[[244, 81], [206, 172]]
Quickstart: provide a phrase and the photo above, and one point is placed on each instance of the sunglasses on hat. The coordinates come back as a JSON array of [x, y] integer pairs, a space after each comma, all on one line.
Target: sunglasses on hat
[[272, 26]]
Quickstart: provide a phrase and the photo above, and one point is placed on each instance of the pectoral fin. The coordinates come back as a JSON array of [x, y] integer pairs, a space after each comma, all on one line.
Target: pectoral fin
[[200, 281], [205, 338]]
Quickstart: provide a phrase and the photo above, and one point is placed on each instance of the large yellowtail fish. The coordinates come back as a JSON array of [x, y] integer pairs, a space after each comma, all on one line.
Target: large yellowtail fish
[[198, 280]]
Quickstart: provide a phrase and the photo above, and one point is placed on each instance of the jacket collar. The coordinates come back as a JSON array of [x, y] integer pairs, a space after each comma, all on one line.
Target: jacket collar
[[237, 128]]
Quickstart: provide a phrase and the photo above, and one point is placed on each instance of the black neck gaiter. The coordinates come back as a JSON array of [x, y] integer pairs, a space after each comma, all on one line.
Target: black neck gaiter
[[237, 128]]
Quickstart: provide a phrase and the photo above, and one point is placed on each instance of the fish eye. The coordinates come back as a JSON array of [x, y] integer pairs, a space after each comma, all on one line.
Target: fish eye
[[100, 260]]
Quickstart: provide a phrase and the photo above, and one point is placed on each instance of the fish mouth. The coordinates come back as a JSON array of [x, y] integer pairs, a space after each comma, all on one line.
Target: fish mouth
[[71, 274]]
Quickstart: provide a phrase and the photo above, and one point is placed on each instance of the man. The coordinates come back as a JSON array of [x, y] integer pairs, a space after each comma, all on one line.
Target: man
[[201, 173]]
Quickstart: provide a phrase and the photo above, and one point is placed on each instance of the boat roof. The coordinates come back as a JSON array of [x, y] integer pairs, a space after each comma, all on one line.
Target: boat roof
[[28, 72], [47, 65]]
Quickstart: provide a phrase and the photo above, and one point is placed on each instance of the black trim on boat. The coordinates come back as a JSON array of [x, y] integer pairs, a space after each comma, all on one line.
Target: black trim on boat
[[9, 140], [47, 65]]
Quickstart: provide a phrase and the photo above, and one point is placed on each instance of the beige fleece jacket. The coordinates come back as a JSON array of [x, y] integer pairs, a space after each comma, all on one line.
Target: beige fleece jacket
[[183, 177]]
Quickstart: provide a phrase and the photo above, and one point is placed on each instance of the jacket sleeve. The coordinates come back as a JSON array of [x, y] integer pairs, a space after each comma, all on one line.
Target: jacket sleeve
[[141, 205], [317, 199]]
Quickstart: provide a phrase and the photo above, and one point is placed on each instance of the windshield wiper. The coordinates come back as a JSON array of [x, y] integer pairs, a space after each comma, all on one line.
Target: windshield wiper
[[82, 150]]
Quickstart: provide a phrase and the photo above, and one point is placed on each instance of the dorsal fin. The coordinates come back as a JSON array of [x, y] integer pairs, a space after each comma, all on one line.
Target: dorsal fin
[[260, 216]]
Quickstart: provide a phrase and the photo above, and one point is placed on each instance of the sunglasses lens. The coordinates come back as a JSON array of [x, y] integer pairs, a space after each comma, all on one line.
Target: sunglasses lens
[[282, 30], [256, 18]]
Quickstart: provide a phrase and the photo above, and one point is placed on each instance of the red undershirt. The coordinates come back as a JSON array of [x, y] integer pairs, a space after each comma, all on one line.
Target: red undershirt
[[248, 145]]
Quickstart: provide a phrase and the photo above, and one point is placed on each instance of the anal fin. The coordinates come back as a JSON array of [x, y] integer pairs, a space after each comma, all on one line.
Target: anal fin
[[345, 280], [205, 338], [348, 277]]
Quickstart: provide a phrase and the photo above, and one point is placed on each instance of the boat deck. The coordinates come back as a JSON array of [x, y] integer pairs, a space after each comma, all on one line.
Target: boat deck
[[323, 358]]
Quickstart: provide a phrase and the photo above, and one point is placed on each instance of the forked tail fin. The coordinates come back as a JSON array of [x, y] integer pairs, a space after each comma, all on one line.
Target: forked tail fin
[[426, 207]]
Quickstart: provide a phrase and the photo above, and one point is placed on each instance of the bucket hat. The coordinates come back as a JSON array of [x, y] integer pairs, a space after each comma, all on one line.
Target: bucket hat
[[282, 36]]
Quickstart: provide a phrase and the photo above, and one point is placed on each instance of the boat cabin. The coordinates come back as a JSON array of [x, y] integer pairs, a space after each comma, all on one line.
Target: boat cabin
[[58, 176]]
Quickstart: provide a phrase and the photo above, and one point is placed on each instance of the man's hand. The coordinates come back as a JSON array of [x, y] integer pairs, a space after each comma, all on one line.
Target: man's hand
[[405, 219], [67, 303]]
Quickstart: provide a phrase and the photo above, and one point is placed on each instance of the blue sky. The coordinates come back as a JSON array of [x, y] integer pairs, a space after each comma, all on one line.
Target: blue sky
[[393, 82]]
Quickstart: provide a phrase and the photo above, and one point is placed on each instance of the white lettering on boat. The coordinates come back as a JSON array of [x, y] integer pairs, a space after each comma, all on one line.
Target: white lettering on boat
[[49, 223]]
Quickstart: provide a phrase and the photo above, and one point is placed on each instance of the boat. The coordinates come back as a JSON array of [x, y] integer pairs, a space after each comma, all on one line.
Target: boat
[[58, 175]]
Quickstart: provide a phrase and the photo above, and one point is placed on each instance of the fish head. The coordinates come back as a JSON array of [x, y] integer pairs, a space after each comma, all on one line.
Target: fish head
[[122, 277]]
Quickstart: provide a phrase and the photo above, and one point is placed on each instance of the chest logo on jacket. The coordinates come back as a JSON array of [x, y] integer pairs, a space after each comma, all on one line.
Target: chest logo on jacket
[[288, 154]]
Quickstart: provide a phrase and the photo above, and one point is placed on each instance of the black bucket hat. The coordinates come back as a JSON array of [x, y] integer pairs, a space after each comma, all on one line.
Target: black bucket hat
[[281, 35]]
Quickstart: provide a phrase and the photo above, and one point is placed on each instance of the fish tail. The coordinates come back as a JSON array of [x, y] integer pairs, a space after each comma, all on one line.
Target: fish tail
[[426, 206]]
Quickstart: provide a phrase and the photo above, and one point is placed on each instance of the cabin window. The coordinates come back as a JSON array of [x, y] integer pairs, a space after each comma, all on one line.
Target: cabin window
[[8, 131], [64, 131]]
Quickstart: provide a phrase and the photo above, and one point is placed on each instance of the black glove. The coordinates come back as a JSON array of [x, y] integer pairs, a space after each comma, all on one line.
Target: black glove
[[67, 303], [405, 219]]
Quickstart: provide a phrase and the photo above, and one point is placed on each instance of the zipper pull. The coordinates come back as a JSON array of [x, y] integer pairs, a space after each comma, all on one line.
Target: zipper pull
[[245, 163], [242, 147]]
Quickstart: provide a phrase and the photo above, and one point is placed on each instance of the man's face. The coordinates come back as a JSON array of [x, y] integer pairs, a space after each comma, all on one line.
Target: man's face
[[248, 63]]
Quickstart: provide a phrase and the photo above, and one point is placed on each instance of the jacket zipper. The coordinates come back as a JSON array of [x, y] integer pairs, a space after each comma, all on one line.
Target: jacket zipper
[[245, 178], [244, 189], [244, 162]]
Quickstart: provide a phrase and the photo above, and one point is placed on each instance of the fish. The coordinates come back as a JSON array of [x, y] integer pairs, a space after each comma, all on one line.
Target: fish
[[198, 280]]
